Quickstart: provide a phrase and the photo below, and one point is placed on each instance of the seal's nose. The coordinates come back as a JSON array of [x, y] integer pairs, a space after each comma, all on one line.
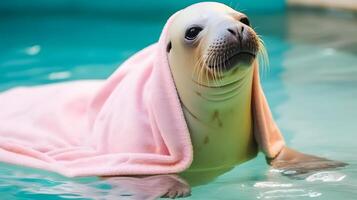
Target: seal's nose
[[232, 31], [236, 31]]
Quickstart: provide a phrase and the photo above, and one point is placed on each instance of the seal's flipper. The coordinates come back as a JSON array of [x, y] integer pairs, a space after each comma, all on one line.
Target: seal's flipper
[[266, 132], [297, 163], [271, 141]]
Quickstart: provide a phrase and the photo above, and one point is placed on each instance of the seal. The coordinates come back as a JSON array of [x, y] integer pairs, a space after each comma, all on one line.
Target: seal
[[212, 52], [211, 56]]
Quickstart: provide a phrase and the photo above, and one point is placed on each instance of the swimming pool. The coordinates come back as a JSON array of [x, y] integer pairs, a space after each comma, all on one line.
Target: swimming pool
[[311, 87]]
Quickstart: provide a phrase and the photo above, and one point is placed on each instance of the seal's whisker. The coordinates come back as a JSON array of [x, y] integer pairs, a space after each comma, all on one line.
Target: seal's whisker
[[204, 67], [223, 65], [213, 59], [221, 62], [215, 69], [195, 75], [219, 69], [197, 64], [218, 60], [206, 60], [263, 57], [200, 71], [225, 58], [212, 67]]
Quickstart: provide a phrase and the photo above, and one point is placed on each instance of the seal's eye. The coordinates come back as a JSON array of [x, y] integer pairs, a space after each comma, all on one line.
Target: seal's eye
[[245, 21], [192, 32]]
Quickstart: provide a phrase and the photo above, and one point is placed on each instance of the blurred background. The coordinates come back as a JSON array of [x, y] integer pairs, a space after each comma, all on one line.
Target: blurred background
[[311, 84]]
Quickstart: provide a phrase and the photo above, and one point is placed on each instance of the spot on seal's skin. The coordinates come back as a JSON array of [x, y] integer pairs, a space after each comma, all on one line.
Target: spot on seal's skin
[[215, 116], [206, 140], [198, 93]]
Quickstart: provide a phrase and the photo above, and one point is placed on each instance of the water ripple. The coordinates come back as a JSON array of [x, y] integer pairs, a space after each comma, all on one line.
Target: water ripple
[[267, 184], [59, 75], [288, 193]]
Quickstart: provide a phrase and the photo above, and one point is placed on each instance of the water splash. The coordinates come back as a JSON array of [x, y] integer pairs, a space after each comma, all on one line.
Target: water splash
[[326, 177]]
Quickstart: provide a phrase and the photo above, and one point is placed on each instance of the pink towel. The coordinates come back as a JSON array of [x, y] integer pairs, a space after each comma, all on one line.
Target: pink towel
[[130, 124]]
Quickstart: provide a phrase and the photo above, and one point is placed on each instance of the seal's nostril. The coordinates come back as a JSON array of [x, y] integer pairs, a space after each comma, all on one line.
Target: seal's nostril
[[232, 31], [242, 29]]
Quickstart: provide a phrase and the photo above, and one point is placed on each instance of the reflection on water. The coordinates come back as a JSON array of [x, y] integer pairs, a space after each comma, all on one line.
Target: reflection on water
[[311, 87], [33, 50], [22, 183], [59, 75]]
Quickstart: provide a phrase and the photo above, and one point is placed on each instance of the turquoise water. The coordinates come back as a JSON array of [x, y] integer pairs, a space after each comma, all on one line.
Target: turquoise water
[[311, 87]]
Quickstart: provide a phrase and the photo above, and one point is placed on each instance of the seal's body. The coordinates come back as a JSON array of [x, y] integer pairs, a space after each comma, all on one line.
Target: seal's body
[[220, 123], [217, 109]]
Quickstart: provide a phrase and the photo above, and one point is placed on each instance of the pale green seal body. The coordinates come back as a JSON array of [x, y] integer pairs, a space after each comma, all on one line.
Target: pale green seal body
[[216, 102], [220, 123]]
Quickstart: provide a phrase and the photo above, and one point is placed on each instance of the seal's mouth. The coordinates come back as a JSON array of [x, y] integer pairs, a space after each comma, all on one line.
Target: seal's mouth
[[241, 57]]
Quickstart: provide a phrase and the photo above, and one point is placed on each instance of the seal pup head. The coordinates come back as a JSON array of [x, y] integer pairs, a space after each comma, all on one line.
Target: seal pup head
[[212, 43]]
